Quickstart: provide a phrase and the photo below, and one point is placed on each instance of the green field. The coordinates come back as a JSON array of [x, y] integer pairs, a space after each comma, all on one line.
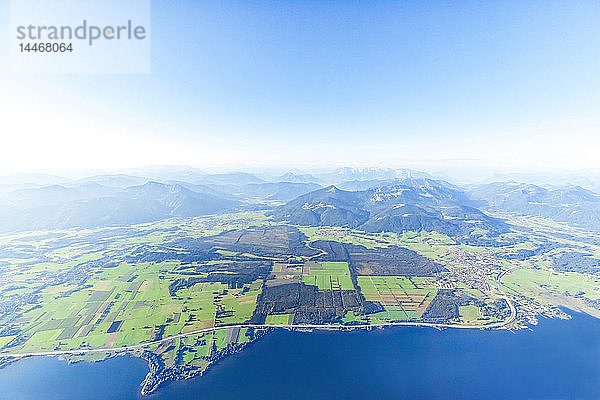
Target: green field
[[402, 297], [470, 313], [569, 283], [117, 287], [351, 236], [279, 319], [330, 275]]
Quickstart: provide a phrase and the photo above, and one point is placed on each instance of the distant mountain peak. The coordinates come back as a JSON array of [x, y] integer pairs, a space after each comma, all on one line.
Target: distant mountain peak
[[414, 205], [298, 177], [572, 204]]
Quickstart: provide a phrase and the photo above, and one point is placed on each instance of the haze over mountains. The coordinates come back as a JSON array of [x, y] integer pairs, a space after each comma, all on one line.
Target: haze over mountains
[[405, 205], [572, 204], [372, 199]]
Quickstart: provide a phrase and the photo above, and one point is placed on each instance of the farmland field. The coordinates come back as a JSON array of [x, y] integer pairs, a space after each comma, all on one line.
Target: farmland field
[[329, 276], [184, 293], [409, 297]]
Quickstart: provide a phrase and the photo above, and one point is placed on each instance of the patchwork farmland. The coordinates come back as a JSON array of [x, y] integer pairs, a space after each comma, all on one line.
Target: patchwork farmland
[[184, 293]]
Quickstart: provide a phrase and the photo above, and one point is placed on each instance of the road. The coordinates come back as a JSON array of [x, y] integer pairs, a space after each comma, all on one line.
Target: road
[[511, 306], [495, 325]]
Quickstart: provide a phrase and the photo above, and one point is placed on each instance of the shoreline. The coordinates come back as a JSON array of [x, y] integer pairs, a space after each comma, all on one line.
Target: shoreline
[[158, 375], [308, 327]]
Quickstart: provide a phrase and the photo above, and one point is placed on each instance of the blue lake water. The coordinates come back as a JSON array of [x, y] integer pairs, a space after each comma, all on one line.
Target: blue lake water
[[555, 360]]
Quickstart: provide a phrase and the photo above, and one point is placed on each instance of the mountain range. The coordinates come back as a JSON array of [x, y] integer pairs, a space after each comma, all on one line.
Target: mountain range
[[571, 204], [373, 199], [87, 206], [405, 205]]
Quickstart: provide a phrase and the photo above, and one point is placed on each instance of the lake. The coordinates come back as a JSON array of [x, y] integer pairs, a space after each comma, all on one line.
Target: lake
[[555, 360]]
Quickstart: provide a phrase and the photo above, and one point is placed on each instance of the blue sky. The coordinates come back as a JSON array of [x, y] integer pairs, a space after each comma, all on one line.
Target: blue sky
[[508, 85]]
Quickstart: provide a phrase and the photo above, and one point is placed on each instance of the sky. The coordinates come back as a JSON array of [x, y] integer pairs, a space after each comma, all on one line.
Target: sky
[[510, 86]]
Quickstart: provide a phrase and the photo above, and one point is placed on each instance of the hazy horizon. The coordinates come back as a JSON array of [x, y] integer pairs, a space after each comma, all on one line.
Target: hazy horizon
[[511, 87], [587, 178]]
